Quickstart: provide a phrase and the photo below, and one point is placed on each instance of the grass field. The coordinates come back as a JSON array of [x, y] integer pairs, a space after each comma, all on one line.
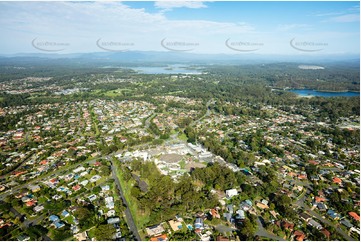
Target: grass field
[[117, 92]]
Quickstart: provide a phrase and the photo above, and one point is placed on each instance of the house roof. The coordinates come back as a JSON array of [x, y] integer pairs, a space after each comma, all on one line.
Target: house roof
[[64, 213], [346, 223], [287, 225], [320, 199], [175, 225], [30, 203], [354, 216], [221, 238], [313, 162], [59, 224], [337, 180], [305, 216], [325, 232], [299, 235], [261, 205], [53, 218], [162, 237]]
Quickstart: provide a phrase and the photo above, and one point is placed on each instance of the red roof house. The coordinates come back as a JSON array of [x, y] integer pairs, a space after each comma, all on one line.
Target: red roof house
[[355, 216]]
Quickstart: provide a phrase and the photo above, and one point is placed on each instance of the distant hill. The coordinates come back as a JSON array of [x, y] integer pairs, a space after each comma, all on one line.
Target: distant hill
[[159, 57]]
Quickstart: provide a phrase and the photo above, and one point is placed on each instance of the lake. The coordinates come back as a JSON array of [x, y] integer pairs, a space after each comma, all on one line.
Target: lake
[[171, 69], [309, 92]]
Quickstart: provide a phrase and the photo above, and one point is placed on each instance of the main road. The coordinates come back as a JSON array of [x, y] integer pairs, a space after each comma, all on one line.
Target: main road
[[128, 214]]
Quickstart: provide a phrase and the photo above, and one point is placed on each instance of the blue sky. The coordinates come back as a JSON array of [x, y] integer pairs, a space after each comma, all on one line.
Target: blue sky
[[288, 28]]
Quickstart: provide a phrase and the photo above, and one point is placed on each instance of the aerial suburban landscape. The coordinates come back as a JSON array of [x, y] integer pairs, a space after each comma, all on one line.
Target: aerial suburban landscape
[[178, 146]]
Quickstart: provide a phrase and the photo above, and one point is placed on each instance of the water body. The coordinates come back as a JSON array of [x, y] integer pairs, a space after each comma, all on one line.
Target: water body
[[309, 92], [171, 69]]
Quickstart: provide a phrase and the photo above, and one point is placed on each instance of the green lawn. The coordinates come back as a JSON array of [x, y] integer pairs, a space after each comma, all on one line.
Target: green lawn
[[182, 164], [91, 233], [117, 92], [183, 137]]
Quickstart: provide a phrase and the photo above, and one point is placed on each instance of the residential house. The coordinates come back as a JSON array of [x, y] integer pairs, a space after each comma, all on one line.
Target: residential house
[[315, 224], [320, 199], [306, 217], [111, 213], [38, 208], [299, 235], [322, 207], [227, 216], [57, 197], [58, 224], [53, 218], [34, 188], [114, 220], [81, 236], [199, 224], [105, 188], [162, 237], [333, 214], [76, 187], [30, 203], [221, 238], [175, 225], [231, 193], [261, 205], [109, 202], [240, 214], [337, 180], [246, 205], [230, 208], [23, 237], [65, 214], [214, 213], [355, 216], [326, 233], [92, 197], [274, 214], [74, 229], [155, 230], [26, 198], [346, 223], [287, 225]]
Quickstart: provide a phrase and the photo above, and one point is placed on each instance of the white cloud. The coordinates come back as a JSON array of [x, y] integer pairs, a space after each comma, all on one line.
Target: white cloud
[[288, 27], [347, 18], [327, 14], [81, 24], [179, 4]]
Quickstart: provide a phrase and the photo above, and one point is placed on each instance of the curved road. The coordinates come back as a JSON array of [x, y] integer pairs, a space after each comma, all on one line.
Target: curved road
[[264, 233]]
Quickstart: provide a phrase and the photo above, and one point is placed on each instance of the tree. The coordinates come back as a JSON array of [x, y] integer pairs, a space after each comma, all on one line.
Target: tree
[[247, 230], [104, 232]]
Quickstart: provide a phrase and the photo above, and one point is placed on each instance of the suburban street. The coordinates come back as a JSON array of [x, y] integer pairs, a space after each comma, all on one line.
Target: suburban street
[[301, 203]]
